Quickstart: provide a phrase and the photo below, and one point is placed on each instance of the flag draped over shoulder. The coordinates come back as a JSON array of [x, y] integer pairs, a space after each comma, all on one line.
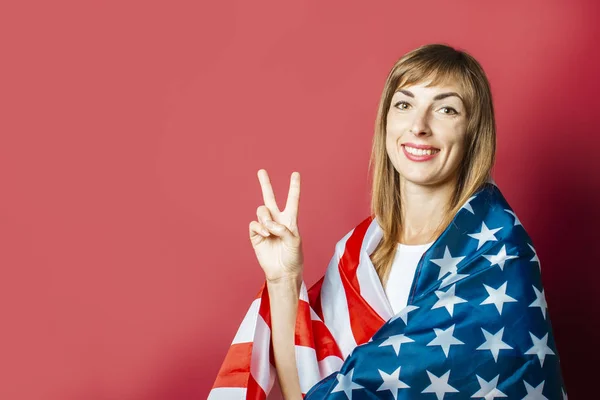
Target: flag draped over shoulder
[[476, 324]]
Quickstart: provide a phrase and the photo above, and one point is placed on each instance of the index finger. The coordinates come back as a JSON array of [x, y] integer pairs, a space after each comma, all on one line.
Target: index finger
[[267, 190]]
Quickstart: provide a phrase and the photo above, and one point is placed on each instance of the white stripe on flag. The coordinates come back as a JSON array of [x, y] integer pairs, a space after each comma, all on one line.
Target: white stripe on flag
[[260, 367], [329, 365], [370, 284], [308, 368], [226, 393], [334, 303], [245, 332], [303, 292], [371, 288]]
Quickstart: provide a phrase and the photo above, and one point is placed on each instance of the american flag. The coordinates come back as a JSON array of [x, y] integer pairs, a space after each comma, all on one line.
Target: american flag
[[476, 325]]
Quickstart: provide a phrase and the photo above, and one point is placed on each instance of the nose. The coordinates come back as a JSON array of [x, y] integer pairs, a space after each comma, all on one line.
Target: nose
[[420, 124]]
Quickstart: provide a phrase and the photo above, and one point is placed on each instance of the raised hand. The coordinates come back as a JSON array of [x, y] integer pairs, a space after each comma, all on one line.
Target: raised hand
[[275, 235]]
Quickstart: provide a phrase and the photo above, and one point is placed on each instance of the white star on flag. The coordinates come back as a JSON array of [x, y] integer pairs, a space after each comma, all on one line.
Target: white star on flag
[[488, 390], [447, 299], [467, 205], [403, 314], [500, 258], [345, 384], [452, 278], [485, 235], [517, 222], [445, 339], [392, 382], [535, 256], [447, 264], [494, 343], [534, 393], [439, 385], [540, 301], [396, 342], [540, 348], [497, 297]]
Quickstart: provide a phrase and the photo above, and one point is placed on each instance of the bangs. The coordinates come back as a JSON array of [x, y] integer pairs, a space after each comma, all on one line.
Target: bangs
[[441, 72]]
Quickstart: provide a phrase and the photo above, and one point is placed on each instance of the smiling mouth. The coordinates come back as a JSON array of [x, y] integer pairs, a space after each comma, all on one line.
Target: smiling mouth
[[420, 152]]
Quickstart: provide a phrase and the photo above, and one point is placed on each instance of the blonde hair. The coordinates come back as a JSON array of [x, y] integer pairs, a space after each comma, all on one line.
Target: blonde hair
[[440, 63]]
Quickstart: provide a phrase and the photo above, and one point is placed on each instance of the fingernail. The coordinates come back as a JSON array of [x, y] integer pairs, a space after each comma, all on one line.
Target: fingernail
[[270, 224]]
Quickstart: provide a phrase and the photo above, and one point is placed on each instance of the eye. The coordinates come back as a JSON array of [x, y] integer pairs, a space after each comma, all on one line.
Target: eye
[[401, 103], [453, 111]]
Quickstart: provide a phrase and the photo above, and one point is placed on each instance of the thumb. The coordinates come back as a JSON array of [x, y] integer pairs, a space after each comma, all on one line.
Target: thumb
[[282, 231]]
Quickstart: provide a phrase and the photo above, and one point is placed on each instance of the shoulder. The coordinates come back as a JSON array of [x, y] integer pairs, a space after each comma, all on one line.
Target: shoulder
[[493, 210]]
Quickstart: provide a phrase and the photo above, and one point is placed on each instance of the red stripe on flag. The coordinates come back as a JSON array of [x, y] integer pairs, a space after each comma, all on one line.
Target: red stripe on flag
[[235, 370], [325, 343], [314, 297], [264, 310], [303, 331], [364, 321], [255, 392]]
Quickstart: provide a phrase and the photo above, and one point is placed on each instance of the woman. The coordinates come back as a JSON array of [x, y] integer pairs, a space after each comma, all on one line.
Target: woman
[[437, 294]]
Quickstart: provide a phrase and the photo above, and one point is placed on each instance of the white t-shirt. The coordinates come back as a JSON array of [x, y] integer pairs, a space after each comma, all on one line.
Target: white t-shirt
[[402, 273]]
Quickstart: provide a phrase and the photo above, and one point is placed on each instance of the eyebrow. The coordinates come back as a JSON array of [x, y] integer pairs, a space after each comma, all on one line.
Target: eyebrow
[[437, 97]]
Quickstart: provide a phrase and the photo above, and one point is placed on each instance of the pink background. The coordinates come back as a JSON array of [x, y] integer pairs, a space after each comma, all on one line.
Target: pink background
[[131, 134]]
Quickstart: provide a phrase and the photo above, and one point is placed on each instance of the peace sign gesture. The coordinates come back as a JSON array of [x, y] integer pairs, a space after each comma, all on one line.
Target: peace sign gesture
[[275, 235]]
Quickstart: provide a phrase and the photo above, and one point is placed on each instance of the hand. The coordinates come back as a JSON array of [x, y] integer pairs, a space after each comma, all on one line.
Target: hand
[[275, 235]]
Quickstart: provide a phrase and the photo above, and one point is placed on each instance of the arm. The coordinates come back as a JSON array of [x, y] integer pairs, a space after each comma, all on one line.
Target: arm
[[283, 298]]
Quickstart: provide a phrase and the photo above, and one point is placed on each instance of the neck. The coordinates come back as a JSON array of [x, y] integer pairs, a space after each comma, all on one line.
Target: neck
[[423, 210]]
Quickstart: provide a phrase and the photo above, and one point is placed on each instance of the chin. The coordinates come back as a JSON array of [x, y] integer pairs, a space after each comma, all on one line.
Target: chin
[[419, 180], [423, 180]]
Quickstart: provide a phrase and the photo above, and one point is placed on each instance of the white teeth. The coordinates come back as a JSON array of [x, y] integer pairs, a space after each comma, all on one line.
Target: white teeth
[[420, 152]]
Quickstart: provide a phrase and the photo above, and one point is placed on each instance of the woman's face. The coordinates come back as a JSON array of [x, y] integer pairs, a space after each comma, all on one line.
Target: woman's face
[[426, 117]]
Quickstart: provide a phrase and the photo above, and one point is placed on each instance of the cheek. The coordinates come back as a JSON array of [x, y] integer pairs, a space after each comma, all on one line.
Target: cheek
[[393, 131], [389, 145], [391, 140], [395, 122], [458, 151]]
